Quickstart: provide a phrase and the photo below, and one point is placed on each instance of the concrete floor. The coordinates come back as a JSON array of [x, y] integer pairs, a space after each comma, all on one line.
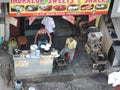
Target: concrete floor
[[86, 83], [76, 76]]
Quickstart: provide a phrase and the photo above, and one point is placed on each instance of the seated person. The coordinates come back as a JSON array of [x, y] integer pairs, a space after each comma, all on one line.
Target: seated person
[[42, 36], [70, 47]]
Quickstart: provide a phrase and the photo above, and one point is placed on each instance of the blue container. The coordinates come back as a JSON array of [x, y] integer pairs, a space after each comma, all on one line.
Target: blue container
[[18, 85], [1, 40]]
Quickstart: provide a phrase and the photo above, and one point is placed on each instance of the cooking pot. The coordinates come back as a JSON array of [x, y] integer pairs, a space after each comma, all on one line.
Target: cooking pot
[[46, 47]]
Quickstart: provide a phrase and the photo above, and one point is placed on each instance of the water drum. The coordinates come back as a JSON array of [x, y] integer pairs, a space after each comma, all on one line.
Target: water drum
[[12, 44], [18, 85]]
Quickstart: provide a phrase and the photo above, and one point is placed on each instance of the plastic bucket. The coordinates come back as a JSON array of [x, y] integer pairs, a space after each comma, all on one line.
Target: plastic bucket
[[1, 40]]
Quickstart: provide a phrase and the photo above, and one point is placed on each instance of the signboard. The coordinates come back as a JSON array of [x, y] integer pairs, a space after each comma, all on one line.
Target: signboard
[[58, 7], [21, 64]]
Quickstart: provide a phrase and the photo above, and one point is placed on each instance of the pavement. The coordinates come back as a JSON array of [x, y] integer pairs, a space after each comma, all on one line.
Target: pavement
[[78, 75], [4, 74], [3, 86], [86, 83]]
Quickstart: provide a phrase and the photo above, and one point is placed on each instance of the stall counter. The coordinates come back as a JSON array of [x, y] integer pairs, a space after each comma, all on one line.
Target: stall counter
[[32, 66]]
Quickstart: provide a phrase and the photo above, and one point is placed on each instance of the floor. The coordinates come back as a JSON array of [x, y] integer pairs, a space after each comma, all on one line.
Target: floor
[[78, 75]]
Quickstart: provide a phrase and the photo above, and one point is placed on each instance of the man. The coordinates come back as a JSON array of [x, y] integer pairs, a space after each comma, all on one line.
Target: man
[[42, 37], [70, 47], [49, 25]]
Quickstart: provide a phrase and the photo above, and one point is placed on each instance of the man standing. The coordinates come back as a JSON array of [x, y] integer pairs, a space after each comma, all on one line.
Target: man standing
[[42, 36], [49, 25]]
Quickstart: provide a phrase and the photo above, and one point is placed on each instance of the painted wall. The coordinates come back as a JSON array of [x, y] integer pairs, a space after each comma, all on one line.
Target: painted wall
[[107, 40]]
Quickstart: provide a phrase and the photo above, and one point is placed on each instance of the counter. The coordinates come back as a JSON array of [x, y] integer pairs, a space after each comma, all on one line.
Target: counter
[[32, 66]]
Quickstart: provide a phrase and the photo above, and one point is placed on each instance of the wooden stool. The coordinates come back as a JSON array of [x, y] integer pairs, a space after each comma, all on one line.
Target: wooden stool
[[22, 40]]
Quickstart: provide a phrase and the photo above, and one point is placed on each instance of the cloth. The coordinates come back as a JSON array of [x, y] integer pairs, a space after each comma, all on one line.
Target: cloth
[[114, 78], [71, 45], [49, 23], [117, 87], [62, 53]]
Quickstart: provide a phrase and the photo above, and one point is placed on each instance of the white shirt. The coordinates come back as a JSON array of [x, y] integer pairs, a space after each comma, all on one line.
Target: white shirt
[[49, 23]]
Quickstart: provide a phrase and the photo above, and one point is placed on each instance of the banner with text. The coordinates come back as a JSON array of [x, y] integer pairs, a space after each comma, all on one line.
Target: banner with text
[[58, 7]]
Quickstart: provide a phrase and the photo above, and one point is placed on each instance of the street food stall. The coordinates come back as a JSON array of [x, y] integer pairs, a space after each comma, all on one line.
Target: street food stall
[[33, 62], [42, 64], [25, 63]]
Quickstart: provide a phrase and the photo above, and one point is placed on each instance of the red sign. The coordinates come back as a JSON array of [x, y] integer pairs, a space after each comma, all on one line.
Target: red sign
[[31, 20], [69, 18], [92, 17]]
